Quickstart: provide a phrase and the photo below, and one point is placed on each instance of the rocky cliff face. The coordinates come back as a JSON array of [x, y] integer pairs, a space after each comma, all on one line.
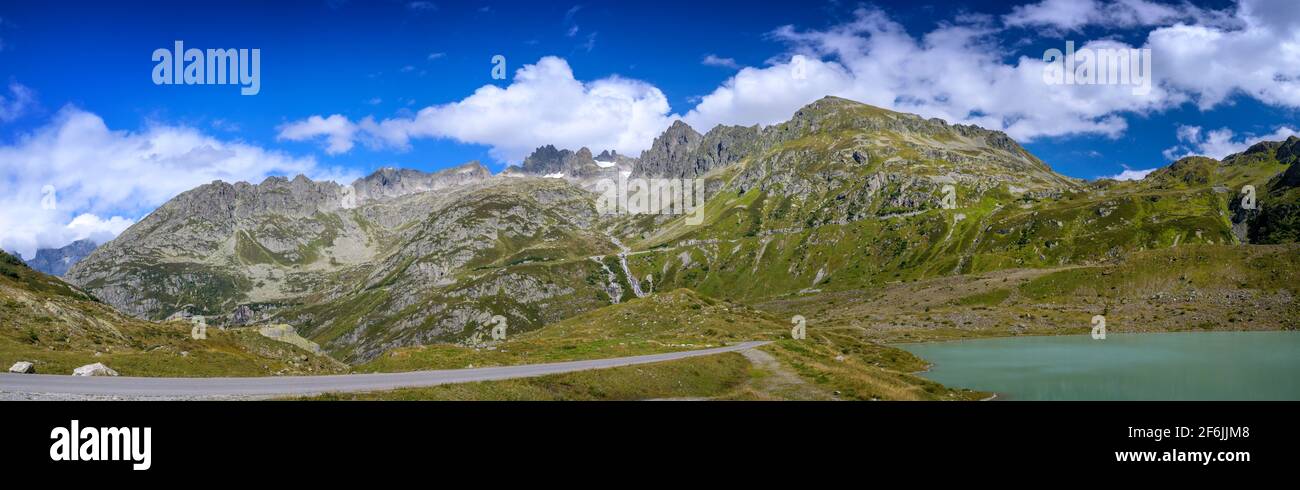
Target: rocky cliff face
[[683, 153], [515, 247], [217, 245], [670, 153], [1277, 217], [57, 261]]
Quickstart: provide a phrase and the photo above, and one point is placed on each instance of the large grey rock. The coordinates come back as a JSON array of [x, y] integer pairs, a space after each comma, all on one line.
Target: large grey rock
[[22, 367], [96, 369], [242, 315]]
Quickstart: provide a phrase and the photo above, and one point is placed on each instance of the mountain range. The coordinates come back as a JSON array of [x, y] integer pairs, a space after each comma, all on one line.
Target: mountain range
[[843, 196]]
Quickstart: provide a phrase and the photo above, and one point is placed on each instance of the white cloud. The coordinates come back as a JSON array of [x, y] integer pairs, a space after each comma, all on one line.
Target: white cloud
[[715, 60], [1219, 143], [105, 179], [337, 130], [955, 72], [1073, 15], [18, 103], [1130, 174], [1210, 64], [434, 56], [544, 104]]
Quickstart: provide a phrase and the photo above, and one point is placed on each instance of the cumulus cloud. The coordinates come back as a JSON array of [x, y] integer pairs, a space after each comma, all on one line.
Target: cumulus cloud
[[76, 178], [337, 130], [1219, 143], [1130, 174], [543, 105], [715, 60], [955, 72], [1210, 64], [1074, 15], [19, 102], [958, 71]]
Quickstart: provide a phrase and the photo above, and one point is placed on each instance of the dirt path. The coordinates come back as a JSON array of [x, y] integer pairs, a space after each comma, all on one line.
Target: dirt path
[[780, 381]]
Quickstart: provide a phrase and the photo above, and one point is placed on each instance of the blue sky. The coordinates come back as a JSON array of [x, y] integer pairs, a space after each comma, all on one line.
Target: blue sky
[[349, 86]]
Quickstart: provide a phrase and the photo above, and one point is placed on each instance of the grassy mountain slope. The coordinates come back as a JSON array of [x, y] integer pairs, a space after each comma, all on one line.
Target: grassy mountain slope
[[858, 203], [1198, 287], [59, 327], [833, 362]]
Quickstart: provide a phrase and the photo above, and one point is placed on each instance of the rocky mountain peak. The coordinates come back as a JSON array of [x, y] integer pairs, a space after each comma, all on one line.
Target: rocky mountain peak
[[388, 182], [670, 152], [57, 261], [1288, 151], [549, 160]]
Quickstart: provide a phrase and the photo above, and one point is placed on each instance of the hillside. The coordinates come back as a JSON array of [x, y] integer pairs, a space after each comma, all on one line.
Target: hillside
[[858, 203], [59, 328], [832, 363]]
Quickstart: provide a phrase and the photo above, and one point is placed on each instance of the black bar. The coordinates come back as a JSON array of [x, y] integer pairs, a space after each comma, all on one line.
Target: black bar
[[240, 439]]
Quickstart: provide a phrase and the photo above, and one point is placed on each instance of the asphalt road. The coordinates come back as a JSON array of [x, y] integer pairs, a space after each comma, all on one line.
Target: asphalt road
[[134, 387]]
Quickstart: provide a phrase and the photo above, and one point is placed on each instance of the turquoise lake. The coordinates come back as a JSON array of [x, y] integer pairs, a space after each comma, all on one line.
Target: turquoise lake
[[1158, 366]]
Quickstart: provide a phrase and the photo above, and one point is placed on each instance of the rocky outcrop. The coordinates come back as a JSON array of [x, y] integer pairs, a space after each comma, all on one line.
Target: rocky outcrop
[[57, 261], [388, 183], [682, 153], [670, 154], [548, 161], [23, 367], [243, 315]]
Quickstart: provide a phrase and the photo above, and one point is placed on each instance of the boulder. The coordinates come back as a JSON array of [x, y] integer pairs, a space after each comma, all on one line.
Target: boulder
[[243, 315], [96, 369], [23, 367]]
